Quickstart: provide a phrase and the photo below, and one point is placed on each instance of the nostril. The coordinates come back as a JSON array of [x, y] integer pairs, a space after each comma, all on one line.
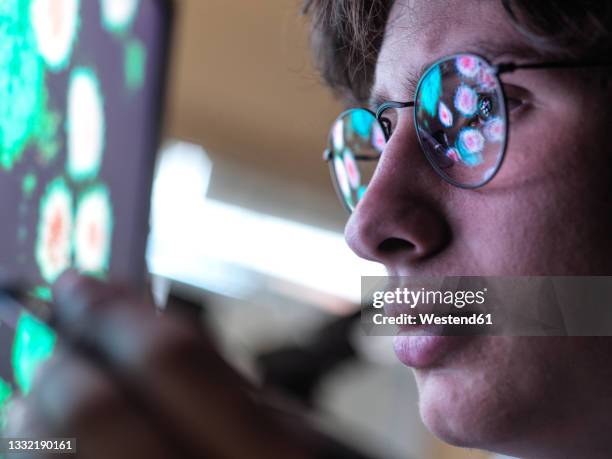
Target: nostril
[[395, 245]]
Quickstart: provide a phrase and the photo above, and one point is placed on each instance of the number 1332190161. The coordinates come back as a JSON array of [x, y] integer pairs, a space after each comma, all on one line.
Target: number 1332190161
[[37, 445]]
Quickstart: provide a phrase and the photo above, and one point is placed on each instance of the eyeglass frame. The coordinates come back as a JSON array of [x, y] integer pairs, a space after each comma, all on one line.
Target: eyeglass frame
[[499, 69]]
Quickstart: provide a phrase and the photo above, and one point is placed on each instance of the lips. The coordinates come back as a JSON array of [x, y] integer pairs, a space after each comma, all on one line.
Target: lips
[[421, 349], [425, 346]]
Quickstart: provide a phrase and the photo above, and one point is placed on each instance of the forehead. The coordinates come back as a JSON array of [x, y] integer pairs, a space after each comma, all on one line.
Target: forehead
[[419, 32]]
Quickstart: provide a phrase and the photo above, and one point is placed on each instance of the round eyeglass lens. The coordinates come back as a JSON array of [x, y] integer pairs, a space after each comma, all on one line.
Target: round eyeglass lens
[[356, 142], [460, 118]]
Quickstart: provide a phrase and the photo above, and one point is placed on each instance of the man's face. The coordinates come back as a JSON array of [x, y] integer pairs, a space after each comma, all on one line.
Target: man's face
[[547, 212]]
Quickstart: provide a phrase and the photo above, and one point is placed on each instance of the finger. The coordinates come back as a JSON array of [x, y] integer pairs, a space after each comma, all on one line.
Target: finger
[[194, 388], [72, 399], [79, 293], [21, 421], [80, 296], [24, 422], [185, 383]]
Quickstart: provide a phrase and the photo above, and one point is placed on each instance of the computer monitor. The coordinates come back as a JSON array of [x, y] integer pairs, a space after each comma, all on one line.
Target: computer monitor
[[81, 91]]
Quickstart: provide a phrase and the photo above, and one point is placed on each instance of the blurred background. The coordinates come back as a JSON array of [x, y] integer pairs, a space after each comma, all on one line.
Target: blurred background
[[246, 225]]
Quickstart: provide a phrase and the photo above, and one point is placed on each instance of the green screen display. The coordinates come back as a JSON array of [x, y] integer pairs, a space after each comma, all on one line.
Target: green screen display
[[80, 89]]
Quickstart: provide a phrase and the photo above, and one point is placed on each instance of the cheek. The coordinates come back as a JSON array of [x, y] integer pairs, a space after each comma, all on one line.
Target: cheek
[[540, 145], [501, 234], [565, 138], [549, 210]]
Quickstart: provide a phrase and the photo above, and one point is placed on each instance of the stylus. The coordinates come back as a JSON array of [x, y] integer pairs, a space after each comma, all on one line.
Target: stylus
[[14, 299]]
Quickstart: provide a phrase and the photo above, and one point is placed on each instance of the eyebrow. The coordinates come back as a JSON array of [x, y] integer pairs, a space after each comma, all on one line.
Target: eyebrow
[[410, 81], [492, 51]]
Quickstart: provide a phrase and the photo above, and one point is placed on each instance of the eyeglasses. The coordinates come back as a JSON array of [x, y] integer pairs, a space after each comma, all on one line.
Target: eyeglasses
[[461, 121]]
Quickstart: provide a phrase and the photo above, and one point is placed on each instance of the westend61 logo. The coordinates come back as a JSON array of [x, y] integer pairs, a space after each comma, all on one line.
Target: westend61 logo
[[413, 298]]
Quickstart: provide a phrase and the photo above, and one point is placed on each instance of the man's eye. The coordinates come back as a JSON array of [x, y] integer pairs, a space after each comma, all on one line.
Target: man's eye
[[486, 106], [387, 125], [513, 103]]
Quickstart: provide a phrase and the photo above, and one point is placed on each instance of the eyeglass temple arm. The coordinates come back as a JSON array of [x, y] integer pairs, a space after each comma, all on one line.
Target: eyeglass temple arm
[[386, 125], [509, 67], [391, 104], [328, 155]]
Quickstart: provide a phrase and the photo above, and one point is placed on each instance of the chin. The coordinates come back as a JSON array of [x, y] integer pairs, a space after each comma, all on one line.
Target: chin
[[476, 401], [459, 417]]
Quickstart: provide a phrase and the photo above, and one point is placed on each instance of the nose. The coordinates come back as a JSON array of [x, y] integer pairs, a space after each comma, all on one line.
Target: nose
[[398, 222]]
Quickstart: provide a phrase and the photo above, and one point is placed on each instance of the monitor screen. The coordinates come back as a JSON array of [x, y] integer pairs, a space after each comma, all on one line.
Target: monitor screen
[[81, 85]]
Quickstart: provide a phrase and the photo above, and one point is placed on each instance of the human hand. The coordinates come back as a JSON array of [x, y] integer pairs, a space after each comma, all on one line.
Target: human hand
[[150, 386]]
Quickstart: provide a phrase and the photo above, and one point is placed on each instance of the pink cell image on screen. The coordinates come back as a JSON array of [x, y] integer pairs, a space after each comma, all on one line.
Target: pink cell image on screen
[[468, 66], [378, 138], [53, 246], [446, 116], [341, 176], [494, 130], [93, 230], [466, 100], [57, 228], [55, 24], [486, 79], [453, 154], [472, 140], [352, 170]]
